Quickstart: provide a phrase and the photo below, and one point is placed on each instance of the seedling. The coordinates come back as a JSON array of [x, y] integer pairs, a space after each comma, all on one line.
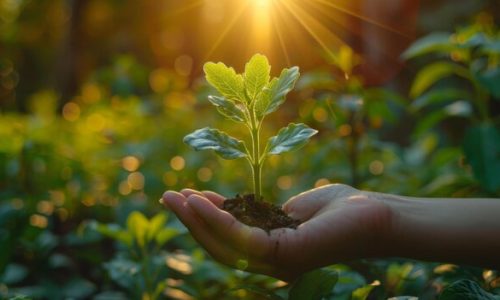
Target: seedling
[[247, 99]]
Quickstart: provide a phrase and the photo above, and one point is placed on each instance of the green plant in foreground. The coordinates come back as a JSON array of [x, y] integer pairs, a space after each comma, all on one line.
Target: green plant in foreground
[[247, 98]]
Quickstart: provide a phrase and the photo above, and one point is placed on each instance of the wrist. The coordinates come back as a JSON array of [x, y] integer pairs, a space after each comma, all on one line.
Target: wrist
[[396, 217]]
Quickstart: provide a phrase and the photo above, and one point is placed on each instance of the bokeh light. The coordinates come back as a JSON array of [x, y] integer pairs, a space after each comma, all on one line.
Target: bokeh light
[[177, 163], [39, 221], [376, 167], [205, 174], [131, 163], [136, 180]]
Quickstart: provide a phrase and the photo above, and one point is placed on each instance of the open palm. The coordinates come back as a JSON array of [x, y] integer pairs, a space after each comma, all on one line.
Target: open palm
[[339, 223]]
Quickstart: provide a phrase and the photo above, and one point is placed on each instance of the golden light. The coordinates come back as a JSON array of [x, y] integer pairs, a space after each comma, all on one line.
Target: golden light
[[170, 179], [263, 3], [321, 182], [136, 181], [205, 174], [262, 25], [177, 163], [297, 32], [285, 182], [38, 221], [131, 163], [180, 262]]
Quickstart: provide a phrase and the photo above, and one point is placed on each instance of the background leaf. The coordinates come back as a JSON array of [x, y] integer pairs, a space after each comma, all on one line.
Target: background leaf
[[213, 139], [434, 42], [482, 149], [137, 225], [490, 80], [466, 290], [156, 224], [439, 96], [313, 285], [290, 138], [431, 74], [362, 293]]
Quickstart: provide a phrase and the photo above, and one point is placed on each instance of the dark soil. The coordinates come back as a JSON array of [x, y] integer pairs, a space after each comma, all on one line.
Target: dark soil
[[259, 213]]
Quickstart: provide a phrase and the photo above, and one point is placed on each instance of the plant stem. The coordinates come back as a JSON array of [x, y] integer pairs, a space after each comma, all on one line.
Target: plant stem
[[255, 161], [256, 165]]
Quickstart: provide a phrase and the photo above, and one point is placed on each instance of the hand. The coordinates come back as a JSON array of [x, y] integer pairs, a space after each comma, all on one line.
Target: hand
[[340, 223]]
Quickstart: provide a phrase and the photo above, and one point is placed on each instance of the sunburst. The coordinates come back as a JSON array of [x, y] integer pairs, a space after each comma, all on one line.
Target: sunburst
[[288, 31]]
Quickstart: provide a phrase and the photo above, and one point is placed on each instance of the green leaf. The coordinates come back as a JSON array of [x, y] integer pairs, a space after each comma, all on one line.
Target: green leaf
[[492, 47], [466, 290], [362, 292], [346, 59], [137, 225], [384, 95], [435, 42], [165, 235], [490, 79], [384, 104], [113, 231], [433, 73], [482, 150], [14, 273], [256, 75], [225, 80], [456, 109], [257, 290], [78, 288], [320, 79], [314, 285], [155, 225], [124, 272], [275, 92], [213, 139], [439, 96], [289, 138], [228, 108]]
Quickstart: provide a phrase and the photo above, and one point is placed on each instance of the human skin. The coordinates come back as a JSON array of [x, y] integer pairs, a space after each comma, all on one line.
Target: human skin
[[340, 224]]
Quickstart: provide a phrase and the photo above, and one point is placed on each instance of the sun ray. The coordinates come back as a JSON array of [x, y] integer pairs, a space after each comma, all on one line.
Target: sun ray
[[307, 21], [282, 42], [224, 33], [363, 18], [186, 8]]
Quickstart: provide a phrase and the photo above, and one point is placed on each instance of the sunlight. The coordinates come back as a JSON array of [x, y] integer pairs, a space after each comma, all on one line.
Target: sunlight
[[261, 24], [263, 4], [287, 31]]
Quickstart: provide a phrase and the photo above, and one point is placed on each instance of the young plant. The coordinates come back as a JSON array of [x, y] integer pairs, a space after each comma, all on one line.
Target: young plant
[[247, 99]]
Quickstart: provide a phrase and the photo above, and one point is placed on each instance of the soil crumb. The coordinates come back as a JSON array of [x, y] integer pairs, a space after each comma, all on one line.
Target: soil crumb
[[258, 213]]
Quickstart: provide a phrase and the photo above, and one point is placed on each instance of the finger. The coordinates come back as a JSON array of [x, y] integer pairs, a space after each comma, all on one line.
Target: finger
[[200, 231], [163, 200], [216, 199], [177, 203], [249, 240], [188, 192], [307, 204]]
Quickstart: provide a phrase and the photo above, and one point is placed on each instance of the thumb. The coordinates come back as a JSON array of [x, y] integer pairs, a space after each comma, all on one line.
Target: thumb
[[307, 204]]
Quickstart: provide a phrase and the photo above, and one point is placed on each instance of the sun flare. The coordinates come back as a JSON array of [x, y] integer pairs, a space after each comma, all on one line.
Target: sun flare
[[289, 31], [263, 3]]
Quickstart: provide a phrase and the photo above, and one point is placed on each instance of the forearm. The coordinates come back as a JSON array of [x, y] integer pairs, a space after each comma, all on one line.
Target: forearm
[[446, 230]]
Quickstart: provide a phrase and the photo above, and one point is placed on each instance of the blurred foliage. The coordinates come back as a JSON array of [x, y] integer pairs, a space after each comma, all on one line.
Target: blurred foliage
[[471, 57], [80, 173]]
